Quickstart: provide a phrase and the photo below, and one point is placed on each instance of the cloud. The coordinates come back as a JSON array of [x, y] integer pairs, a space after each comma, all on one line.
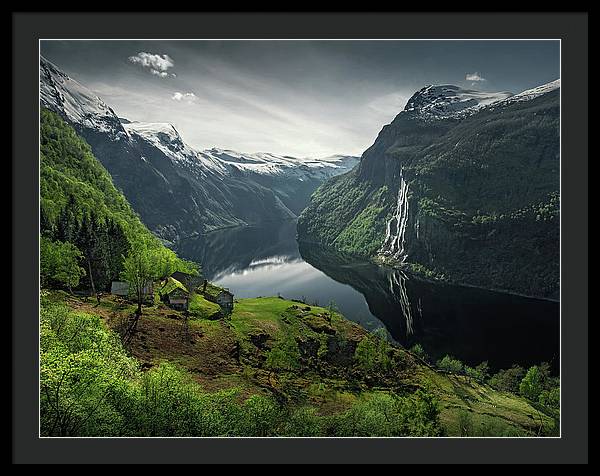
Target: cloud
[[186, 97], [158, 65], [474, 77]]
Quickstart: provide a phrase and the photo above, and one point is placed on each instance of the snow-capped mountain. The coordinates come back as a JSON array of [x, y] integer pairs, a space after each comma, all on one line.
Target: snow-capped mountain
[[176, 189], [445, 101], [75, 102], [165, 137], [448, 101], [532, 93], [468, 184]]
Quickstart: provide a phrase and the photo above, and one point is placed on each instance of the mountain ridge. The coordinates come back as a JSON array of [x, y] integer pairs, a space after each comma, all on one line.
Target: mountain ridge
[[177, 190], [471, 198]]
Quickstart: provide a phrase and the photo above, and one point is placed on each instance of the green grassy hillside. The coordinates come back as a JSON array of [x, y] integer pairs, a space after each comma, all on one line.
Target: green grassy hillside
[[275, 367]]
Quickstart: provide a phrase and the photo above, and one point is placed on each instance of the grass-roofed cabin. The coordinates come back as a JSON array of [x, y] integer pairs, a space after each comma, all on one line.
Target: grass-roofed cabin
[[221, 296], [175, 294], [191, 281]]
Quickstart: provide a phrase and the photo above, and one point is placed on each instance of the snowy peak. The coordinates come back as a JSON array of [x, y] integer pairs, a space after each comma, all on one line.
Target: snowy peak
[[78, 104], [82, 107], [263, 163], [451, 101], [161, 133], [533, 93], [445, 101]]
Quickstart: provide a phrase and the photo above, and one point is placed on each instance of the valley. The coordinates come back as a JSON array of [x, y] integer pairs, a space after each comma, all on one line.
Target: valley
[[362, 293]]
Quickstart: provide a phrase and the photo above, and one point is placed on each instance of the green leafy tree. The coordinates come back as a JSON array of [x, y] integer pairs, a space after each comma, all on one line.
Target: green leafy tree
[[59, 264], [450, 364], [139, 270], [531, 385], [550, 398]]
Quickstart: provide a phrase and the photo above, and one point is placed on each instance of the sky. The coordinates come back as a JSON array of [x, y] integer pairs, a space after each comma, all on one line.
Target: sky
[[296, 98]]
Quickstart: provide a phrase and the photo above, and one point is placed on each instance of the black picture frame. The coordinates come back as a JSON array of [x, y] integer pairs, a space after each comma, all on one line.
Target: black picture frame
[[570, 28]]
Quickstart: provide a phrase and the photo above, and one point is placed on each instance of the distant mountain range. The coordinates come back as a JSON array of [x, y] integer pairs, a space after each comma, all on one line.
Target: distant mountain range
[[177, 190], [462, 186]]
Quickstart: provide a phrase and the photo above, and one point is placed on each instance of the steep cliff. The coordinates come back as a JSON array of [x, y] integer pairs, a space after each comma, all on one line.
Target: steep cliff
[[460, 186]]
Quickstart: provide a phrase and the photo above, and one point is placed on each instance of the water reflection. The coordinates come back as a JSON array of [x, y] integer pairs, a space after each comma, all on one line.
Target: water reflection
[[471, 324]]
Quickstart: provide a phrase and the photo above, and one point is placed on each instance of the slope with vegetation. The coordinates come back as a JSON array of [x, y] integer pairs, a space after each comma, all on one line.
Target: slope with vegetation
[[482, 206], [90, 234], [274, 368]]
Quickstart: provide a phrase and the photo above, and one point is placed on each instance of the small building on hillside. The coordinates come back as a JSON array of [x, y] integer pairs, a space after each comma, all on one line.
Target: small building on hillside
[[175, 295], [190, 281], [121, 288], [221, 296]]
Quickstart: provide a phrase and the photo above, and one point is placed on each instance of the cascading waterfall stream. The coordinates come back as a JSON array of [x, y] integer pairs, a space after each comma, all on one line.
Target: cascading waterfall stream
[[393, 244], [397, 283]]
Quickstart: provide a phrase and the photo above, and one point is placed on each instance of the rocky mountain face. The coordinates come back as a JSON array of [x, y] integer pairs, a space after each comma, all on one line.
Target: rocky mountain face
[[179, 191], [461, 186]]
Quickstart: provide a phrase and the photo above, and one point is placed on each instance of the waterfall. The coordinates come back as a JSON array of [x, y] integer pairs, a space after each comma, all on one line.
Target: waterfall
[[393, 244], [397, 283]]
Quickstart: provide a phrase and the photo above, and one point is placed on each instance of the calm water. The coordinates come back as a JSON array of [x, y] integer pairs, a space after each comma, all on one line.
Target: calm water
[[471, 324]]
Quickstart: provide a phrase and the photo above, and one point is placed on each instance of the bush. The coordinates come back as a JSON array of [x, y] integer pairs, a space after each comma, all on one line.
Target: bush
[[373, 352], [418, 350], [450, 364], [550, 398], [508, 380], [479, 373], [387, 414], [539, 386]]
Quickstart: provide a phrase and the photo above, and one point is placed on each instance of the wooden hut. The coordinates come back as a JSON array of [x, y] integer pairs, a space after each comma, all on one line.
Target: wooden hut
[[174, 294]]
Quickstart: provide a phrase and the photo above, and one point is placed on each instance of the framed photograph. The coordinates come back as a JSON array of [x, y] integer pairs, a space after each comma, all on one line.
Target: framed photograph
[[270, 238]]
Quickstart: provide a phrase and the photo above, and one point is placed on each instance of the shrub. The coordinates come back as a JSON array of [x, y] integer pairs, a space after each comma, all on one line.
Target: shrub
[[450, 364], [387, 414], [418, 350], [531, 385], [508, 380], [372, 352]]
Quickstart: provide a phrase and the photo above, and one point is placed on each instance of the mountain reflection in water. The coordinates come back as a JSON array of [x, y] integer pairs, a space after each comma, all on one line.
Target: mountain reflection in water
[[469, 323]]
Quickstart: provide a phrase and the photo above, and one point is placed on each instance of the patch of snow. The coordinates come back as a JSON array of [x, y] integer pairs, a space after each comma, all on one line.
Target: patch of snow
[[448, 101], [451, 101], [533, 93], [62, 94]]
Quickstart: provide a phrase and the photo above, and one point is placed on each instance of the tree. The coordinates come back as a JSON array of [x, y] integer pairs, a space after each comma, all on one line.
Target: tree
[[87, 239], [59, 264], [418, 350], [139, 270], [483, 369], [531, 385]]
